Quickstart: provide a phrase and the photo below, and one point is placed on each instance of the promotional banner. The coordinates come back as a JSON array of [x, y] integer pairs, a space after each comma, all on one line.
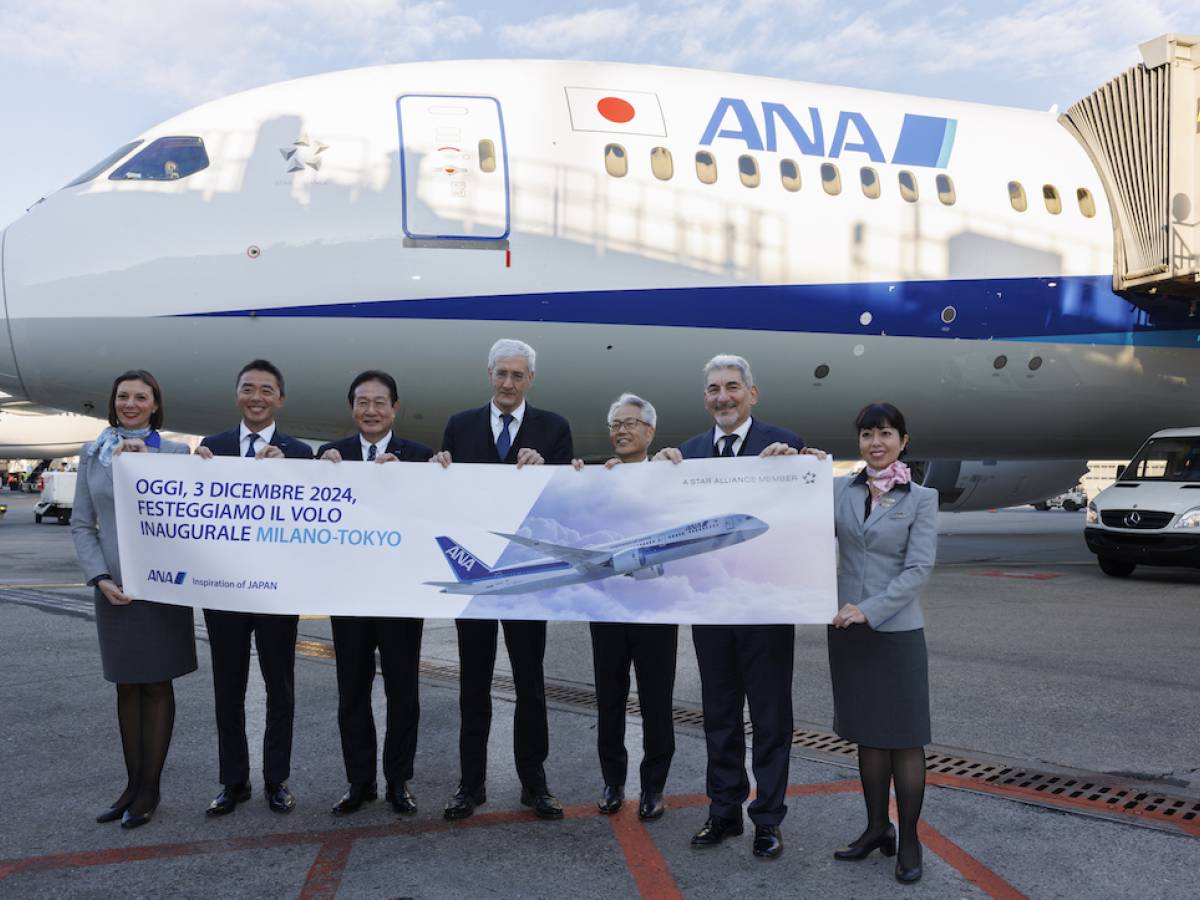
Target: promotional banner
[[707, 541]]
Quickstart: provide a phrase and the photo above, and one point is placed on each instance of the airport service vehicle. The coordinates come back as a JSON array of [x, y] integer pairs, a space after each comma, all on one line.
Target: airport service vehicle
[[58, 496], [640, 557], [1005, 276], [1070, 501], [1151, 514]]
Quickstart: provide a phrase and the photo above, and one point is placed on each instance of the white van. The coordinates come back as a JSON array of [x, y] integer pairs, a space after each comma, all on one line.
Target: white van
[[1151, 514]]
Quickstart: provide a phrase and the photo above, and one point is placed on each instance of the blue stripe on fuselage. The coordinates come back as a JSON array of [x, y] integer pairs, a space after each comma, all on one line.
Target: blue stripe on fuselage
[[1064, 308]]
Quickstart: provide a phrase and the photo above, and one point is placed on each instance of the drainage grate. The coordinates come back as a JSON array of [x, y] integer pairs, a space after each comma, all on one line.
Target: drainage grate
[[1080, 792]]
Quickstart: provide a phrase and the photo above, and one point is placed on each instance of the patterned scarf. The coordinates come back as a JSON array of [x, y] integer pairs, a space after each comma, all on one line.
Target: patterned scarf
[[110, 438], [883, 480]]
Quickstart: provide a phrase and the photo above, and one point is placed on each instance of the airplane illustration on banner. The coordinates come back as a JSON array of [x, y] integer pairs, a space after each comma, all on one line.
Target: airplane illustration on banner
[[639, 557]]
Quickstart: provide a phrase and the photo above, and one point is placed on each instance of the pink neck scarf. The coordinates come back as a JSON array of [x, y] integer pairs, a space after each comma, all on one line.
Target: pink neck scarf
[[883, 480]]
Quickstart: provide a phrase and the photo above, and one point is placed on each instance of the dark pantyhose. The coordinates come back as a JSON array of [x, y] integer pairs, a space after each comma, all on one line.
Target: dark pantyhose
[[879, 770], [146, 715]]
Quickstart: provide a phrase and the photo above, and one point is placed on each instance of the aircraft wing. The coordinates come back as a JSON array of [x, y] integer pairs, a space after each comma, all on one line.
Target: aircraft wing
[[576, 556]]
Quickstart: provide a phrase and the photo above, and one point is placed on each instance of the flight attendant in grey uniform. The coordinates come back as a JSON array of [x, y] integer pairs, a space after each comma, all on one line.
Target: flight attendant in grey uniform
[[143, 645], [887, 542]]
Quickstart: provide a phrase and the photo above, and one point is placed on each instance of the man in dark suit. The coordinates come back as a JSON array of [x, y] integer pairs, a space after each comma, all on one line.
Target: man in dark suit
[[260, 395], [742, 661], [374, 402], [506, 430]]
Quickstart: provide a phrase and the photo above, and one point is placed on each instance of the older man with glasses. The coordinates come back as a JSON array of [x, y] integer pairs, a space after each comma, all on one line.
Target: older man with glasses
[[649, 648]]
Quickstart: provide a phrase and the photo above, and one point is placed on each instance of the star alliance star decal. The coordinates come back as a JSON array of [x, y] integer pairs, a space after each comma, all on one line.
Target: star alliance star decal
[[809, 477], [303, 152]]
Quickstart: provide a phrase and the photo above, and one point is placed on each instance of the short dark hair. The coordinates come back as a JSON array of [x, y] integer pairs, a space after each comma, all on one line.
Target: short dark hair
[[263, 365], [156, 417], [881, 415], [374, 375]]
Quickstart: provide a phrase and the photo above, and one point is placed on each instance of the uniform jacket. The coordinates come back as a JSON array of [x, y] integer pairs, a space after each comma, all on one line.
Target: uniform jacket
[[884, 562], [469, 438], [228, 443], [94, 515]]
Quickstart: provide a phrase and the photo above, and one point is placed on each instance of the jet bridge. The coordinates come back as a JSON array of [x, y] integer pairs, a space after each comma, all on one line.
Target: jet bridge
[[1142, 132]]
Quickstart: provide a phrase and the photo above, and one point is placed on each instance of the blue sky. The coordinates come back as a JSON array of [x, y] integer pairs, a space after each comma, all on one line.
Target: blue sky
[[78, 78]]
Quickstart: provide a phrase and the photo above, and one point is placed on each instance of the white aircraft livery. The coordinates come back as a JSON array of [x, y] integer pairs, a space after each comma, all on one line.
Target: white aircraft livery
[[629, 222], [639, 557]]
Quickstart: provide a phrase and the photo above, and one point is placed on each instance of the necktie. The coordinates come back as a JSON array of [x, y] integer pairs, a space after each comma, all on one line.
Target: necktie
[[251, 437], [504, 440], [372, 453], [727, 441]]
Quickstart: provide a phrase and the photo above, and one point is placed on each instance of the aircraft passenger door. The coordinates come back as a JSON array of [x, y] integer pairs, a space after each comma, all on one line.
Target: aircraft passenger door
[[454, 166]]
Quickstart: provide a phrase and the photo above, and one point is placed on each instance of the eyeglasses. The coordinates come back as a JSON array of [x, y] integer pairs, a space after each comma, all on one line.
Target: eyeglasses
[[625, 424]]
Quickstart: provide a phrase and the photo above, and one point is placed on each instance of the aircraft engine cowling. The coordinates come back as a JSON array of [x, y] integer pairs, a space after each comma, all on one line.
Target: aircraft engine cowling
[[965, 485], [647, 573], [629, 560]]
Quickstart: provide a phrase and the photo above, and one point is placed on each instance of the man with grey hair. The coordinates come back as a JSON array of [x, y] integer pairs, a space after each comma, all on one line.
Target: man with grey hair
[[650, 649], [505, 430], [740, 662]]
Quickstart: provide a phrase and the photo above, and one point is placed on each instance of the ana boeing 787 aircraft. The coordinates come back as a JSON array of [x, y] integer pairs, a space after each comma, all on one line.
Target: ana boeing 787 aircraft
[[1022, 287], [640, 557]]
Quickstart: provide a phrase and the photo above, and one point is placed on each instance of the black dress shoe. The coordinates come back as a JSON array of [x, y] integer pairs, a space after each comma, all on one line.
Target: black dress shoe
[[861, 848], [111, 813], [279, 798], [543, 803], [611, 799], [463, 803], [768, 842], [651, 806], [354, 798], [909, 875], [715, 830], [402, 800], [130, 820], [226, 801]]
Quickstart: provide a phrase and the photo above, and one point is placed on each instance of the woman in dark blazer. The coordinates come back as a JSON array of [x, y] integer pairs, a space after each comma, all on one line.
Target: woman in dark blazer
[[143, 645], [887, 541]]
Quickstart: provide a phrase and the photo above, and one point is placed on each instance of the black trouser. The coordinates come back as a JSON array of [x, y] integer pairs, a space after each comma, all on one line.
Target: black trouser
[[526, 642], [651, 649], [275, 641], [399, 642], [740, 662]]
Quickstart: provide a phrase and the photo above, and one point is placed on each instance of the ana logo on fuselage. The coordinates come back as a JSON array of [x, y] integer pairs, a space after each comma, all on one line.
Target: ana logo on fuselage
[[923, 140]]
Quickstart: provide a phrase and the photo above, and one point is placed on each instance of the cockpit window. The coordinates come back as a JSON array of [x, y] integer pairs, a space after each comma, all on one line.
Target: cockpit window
[[103, 164], [167, 159]]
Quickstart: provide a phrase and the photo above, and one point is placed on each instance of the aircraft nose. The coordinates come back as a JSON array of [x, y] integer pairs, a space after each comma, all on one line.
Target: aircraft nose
[[9, 381], [754, 526]]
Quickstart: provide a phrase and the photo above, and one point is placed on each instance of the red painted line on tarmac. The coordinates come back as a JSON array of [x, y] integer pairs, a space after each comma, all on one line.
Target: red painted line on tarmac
[[325, 873], [646, 864], [842, 786], [968, 866], [1045, 798]]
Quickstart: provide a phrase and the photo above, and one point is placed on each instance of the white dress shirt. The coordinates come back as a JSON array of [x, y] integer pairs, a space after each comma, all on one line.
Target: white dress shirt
[[380, 445], [739, 436], [264, 438], [514, 426]]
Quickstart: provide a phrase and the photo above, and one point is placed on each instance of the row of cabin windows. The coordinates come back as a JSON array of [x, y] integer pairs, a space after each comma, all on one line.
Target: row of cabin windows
[[1052, 199], [616, 163]]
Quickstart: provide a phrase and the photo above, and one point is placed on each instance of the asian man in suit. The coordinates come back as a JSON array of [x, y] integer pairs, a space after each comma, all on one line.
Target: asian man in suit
[[259, 394], [505, 430], [374, 401], [740, 662]]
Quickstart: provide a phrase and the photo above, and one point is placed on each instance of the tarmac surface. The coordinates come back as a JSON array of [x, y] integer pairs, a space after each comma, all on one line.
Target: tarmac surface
[[1066, 763]]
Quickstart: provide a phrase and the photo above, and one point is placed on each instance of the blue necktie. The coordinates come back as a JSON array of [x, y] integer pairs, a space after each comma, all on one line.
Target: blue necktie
[[728, 440], [252, 437], [504, 440], [372, 453]]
